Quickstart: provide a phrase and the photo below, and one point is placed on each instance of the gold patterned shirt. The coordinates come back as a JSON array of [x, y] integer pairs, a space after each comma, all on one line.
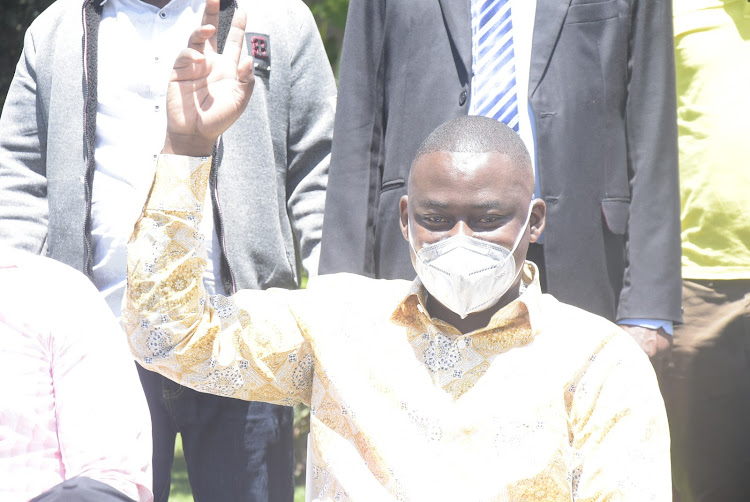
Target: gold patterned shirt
[[546, 403]]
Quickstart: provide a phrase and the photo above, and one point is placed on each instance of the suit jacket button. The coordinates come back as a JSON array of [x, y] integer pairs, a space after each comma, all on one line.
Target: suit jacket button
[[462, 98]]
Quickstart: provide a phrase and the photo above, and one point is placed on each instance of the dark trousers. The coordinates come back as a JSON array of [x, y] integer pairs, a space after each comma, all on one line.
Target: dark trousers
[[236, 451], [82, 489], [706, 388]]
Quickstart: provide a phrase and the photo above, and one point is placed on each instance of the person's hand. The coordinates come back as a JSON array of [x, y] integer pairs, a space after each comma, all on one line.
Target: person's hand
[[207, 91], [656, 343]]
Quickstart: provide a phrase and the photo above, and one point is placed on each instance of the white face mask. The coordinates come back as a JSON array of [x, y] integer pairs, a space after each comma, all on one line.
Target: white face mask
[[467, 274]]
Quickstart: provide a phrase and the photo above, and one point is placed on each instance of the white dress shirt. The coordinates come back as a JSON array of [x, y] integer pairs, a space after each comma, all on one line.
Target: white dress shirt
[[138, 44]]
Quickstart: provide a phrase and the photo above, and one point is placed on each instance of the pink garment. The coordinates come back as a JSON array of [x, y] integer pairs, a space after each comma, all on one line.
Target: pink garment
[[70, 400]]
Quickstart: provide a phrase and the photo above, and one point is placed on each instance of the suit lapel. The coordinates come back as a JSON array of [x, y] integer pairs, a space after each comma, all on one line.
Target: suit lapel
[[548, 21], [457, 18]]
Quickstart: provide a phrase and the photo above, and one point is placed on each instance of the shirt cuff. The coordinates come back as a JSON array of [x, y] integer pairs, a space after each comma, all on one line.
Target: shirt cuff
[[649, 323], [180, 183]]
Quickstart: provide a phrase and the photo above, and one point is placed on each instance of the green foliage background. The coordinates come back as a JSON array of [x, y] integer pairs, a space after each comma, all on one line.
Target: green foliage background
[[330, 16], [17, 15]]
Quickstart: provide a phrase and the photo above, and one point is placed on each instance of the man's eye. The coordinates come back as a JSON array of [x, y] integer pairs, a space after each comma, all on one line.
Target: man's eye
[[434, 219], [490, 218]]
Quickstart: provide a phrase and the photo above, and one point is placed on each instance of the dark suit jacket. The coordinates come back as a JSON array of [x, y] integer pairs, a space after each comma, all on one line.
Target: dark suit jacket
[[602, 91]]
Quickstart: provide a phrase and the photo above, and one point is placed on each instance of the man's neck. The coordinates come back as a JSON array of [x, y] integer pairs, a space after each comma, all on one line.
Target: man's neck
[[475, 321], [159, 4]]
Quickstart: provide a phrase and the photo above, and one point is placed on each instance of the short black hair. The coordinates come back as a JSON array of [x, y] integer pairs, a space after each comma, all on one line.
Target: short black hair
[[474, 134]]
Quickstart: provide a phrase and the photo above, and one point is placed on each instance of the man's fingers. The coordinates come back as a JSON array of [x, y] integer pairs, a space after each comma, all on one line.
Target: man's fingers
[[211, 17], [245, 81], [189, 65], [236, 36], [199, 36], [245, 72]]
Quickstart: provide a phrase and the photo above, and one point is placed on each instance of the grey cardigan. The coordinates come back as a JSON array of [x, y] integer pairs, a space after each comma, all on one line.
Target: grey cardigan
[[270, 169]]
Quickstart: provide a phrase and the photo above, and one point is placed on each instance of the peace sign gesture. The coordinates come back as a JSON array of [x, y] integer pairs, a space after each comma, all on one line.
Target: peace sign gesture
[[207, 91]]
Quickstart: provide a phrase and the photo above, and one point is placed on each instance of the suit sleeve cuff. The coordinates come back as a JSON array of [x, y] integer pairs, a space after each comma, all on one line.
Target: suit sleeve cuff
[[649, 323]]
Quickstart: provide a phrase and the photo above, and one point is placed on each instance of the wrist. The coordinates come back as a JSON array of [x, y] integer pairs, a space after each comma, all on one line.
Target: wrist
[[188, 145]]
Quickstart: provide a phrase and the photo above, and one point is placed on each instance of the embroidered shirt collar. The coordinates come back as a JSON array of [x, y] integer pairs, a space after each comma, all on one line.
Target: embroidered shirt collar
[[521, 316]]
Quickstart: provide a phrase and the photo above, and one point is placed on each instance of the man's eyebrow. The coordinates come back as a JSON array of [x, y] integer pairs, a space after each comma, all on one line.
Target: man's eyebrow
[[434, 204], [491, 204]]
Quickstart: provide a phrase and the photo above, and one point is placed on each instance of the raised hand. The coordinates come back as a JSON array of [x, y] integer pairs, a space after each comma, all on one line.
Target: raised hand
[[207, 91]]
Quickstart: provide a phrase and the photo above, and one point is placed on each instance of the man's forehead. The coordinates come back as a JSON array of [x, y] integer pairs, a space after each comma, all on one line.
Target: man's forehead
[[467, 164], [487, 177], [468, 161], [462, 160]]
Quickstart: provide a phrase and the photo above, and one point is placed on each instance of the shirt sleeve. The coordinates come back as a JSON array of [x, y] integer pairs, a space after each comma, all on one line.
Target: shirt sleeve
[[103, 421], [618, 427], [248, 346], [23, 183], [652, 285]]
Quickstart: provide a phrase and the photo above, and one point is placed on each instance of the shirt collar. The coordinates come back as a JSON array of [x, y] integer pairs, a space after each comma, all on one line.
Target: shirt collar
[[521, 317]]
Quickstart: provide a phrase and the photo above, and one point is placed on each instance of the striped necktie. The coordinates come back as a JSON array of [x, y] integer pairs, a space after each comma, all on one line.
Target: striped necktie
[[494, 81]]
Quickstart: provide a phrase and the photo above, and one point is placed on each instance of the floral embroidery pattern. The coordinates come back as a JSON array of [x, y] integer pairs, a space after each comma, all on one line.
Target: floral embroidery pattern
[[223, 382], [302, 375], [159, 343], [223, 306], [442, 354]]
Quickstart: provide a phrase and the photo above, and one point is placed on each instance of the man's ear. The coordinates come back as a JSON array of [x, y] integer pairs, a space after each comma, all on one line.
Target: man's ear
[[403, 207], [537, 219]]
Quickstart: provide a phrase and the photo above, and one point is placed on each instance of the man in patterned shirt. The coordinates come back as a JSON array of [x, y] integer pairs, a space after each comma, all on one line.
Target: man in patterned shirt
[[466, 384]]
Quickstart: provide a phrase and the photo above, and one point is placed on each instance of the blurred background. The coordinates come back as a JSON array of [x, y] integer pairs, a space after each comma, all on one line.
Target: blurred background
[[17, 15]]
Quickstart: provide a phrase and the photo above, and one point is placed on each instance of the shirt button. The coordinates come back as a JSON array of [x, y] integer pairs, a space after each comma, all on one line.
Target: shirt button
[[462, 98], [156, 59], [163, 15], [156, 108]]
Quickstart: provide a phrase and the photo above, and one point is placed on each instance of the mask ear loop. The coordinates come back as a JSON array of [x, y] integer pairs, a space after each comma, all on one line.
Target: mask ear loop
[[518, 239], [411, 242], [523, 229]]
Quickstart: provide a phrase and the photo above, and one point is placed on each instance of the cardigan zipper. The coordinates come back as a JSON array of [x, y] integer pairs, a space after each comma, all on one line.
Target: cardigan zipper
[[214, 184], [87, 258]]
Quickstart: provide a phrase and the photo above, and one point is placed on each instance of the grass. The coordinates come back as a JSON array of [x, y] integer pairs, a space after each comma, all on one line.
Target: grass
[[180, 490]]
